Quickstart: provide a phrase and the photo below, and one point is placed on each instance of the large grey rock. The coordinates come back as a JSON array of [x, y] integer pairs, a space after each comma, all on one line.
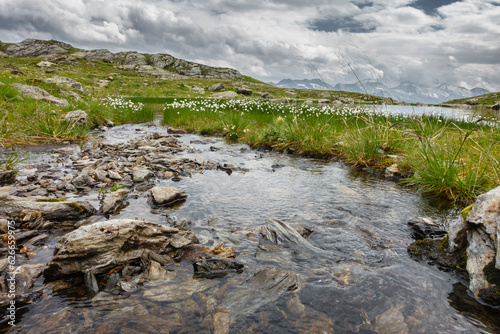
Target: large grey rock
[[496, 106], [102, 246], [65, 210], [45, 64], [40, 94], [264, 287], [66, 83], [164, 196], [77, 116], [245, 91], [99, 54], [37, 48], [216, 87], [482, 229]]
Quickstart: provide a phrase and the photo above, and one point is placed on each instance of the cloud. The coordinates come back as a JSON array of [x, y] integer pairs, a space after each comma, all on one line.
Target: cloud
[[395, 40]]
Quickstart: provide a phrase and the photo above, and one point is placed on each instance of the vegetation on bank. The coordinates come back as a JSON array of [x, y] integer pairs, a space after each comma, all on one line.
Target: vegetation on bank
[[457, 159]]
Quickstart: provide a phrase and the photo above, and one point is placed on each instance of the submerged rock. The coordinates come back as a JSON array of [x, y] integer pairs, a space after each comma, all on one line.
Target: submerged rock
[[215, 267], [104, 245], [264, 287]]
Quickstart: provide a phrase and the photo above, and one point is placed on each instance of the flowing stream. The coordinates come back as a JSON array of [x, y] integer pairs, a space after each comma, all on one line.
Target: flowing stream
[[361, 279]]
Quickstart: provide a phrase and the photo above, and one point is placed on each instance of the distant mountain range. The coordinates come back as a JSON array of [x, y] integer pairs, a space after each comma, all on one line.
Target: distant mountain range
[[405, 91]]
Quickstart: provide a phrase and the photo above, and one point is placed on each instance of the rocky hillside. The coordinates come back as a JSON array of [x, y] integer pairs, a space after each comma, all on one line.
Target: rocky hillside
[[160, 64]]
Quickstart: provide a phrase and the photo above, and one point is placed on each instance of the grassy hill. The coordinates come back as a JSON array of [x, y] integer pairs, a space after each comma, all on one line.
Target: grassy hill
[[483, 101]]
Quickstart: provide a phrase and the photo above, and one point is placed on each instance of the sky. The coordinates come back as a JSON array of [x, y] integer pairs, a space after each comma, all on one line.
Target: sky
[[427, 42]]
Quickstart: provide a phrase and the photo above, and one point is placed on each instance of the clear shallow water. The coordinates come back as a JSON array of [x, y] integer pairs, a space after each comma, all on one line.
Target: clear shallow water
[[362, 280]]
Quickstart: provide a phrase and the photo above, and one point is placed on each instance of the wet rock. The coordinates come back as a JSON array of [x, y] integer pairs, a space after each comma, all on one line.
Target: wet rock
[[77, 116], [165, 196], [104, 245], [424, 227], [61, 210], [480, 253], [7, 177], [40, 94], [83, 180], [155, 271], [194, 252], [161, 291], [391, 322], [4, 226], [113, 200], [141, 174], [304, 230], [90, 282], [221, 322], [264, 287], [215, 267], [279, 233]]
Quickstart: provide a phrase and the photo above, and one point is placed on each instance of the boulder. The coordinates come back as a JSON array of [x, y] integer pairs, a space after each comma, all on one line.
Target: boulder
[[324, 101], [77, 116], [40, 94], [164, 196], [267, 96], [217, 87], [12, 207], [101, 246], [472, 102], [245, 91], [496, 106], [37, 48]]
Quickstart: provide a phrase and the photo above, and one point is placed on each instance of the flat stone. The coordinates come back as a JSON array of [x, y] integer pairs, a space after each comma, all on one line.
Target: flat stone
[[141, 174], [164, 196], [40, 94]]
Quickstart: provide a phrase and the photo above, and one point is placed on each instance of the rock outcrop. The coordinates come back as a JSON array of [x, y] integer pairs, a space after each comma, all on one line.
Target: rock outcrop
[[37, 48]]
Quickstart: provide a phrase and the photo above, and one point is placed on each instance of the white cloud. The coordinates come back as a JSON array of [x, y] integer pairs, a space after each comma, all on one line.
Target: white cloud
[[274, 39]]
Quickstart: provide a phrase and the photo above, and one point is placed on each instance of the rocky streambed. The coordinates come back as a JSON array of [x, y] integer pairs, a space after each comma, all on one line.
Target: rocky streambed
[[147, 230]]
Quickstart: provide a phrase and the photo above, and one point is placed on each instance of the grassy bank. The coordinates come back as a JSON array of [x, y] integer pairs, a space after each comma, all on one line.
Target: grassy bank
[[25, 120], [455, 159]]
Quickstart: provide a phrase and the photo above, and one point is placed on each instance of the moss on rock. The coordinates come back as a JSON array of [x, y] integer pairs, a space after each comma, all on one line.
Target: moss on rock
[[437, 251], [51, 200]]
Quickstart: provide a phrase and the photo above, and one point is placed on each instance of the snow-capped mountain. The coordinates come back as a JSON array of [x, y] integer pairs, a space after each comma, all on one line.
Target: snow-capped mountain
[[405, 91]]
